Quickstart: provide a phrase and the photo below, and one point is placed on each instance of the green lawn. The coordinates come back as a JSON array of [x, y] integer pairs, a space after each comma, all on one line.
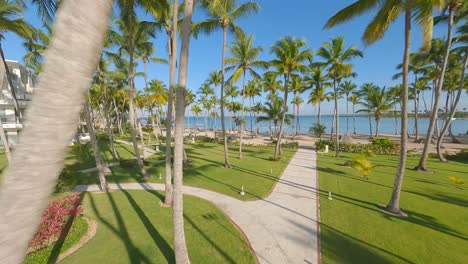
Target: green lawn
[[354, 230], [256, 171], [133, 228]]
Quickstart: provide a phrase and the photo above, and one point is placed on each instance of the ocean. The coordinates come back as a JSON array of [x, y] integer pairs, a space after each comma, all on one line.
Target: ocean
[[387, 124]]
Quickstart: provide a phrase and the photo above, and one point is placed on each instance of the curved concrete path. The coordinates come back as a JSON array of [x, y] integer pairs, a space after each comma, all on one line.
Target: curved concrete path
[[282, 228]]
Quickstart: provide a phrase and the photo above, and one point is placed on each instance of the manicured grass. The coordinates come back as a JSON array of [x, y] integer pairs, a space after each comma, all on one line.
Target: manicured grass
[[51, 253], [354, 230], [257, 172], [133, 228]]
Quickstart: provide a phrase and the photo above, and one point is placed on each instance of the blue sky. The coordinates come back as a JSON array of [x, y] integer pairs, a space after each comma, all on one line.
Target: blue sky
[[299, 18]]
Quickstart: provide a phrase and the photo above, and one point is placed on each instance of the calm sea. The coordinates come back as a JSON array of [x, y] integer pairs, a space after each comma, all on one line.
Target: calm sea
[[387, 125]]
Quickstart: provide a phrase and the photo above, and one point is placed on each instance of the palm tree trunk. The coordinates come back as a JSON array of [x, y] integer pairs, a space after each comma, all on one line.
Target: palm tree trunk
[[223, 126], [132, 108], [81, 25], [354, 119], [448, 120], [370, 122], [97, 154], [283, 117], [172, 48], [297, 118], [251, 120], [140, 131], [347, 115], [337, 149], [377, 126], [393, 205], [416, 109], [396, 120], [180, 247], [422, 162], [318, 113], [242, 116]]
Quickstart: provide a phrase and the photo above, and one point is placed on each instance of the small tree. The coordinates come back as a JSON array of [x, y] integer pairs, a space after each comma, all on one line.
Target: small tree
[[362, 164], [318, 130]]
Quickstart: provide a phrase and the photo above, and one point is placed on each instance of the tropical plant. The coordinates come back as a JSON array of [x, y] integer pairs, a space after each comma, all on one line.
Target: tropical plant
[[379, 101], [354, 99], [297, 101], [290, 55], [362, 165], [251, 90], [223, 15], [274, 112], [318, 130]]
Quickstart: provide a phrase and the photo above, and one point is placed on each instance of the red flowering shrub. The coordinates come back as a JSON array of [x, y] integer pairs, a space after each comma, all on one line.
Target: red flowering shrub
[[54, 220]]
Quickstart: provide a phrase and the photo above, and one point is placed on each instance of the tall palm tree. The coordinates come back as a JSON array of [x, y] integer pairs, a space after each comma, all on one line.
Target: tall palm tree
[[336, 57], [389, 11], [364, 91], [271, 85], [205, 90], [81, 25], [274, 111], [167, 16], [223, 15], [297, 87], [297, 101], [318, 81], [157, 97], [215, 79], [290, 56], [244, 60], [462, 39], [347, 88], [131, 34], [451, 6], [196, 111], [257, 108], [180, 247], [395, 93]]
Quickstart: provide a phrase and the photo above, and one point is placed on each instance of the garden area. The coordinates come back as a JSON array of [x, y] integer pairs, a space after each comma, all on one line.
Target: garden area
[[355, 230]]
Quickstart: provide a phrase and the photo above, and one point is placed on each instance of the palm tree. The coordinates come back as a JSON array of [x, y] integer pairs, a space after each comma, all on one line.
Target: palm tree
[[462, 49], [196, 111], [180, 247], [347, 88], [297, 101], [290, 55], [379, 101], [297, 86], [157, 97], [395, 93], [274, 111], [388, 11], [167, 17], [36, 46], [251, 90], [354, 99], [336, 55], [223, 15], [70, 80], [133, 33], [205, 90], [244, 60], [215, 79], [363, 93], [271, 85], [257, 108], [451, 6], [318, 79]]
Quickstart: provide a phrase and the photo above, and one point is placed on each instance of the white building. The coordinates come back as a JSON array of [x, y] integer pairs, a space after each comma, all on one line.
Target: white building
[[23, 84]]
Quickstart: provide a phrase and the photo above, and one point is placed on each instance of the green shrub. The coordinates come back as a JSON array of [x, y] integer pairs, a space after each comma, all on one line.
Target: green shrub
[[292, 144], [378, 146]]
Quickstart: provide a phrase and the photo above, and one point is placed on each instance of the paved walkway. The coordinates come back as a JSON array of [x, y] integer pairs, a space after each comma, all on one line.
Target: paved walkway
[[281, 228]]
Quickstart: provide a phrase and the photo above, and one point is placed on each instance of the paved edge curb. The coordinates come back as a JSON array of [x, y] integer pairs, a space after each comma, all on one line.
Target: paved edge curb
[[317, 207], [90, 234]]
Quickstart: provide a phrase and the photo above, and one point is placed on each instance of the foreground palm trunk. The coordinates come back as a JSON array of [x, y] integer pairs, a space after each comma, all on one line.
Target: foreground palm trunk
[[242, 117], [422, 162], [97, 154], [223, 126], [70, 62], [448, 120], [172, 45], [283, 117], [394, 203], [180, 247], [337, 122]]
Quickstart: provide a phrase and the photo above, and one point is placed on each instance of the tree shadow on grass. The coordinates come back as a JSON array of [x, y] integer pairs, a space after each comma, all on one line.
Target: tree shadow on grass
[[414, 217], [134, 254], [343, 248], [158, 240], [225, 255]]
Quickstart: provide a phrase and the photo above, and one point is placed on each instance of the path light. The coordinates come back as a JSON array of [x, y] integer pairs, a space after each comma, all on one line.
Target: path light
[[271, 171], [160, 176], [330, 196], [242, 191], [157, 148], [326, 148]]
